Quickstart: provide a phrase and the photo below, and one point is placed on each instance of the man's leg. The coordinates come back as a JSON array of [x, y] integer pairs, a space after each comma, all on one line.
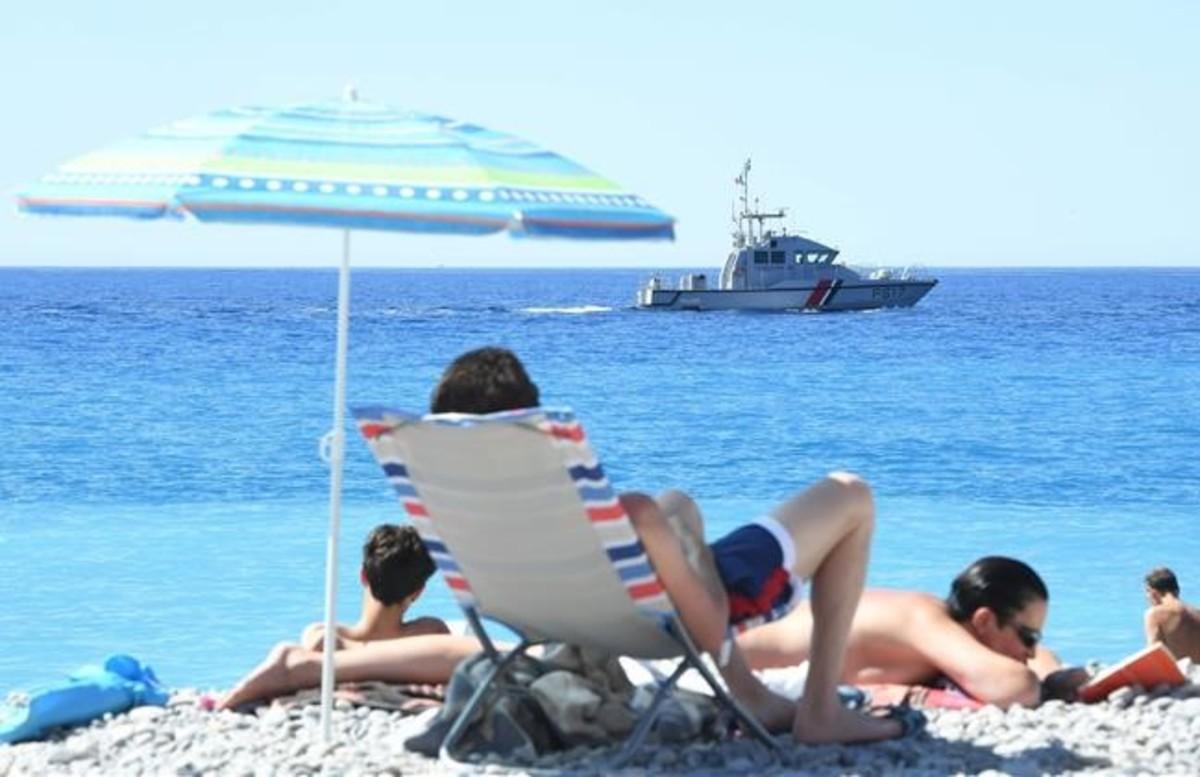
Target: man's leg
[[672, 533], [780, 643], [426, 659], [831, 525]]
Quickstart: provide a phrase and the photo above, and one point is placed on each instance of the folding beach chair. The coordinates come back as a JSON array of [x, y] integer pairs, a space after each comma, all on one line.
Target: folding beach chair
[[523, 524]]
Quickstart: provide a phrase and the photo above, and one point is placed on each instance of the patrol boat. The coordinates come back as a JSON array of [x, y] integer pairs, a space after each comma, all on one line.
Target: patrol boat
[[777, 271]]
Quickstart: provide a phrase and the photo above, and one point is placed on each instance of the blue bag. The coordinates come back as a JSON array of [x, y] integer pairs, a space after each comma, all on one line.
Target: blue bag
[[121, 684]]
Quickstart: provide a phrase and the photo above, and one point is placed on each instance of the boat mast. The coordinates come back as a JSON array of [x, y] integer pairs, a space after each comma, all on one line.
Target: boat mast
[[743, 237], [740, 238]]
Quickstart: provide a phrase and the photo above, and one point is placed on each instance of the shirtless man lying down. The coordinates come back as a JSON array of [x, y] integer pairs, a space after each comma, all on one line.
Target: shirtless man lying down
[[984, 638]]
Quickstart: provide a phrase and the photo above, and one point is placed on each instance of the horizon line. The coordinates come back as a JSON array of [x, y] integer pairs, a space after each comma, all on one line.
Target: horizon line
[[554, 268]]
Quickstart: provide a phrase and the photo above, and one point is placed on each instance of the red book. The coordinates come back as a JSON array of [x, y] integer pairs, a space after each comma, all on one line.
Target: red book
[[1149, 667]]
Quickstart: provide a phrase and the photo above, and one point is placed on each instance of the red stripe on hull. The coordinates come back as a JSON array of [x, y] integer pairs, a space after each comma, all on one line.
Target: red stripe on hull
[[818, 294]]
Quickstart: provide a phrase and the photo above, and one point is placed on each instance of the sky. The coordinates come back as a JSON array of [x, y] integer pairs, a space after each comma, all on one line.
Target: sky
[[943, 134]]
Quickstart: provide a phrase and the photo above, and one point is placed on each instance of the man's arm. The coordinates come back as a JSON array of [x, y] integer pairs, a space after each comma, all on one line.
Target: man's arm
[[313, 638], [1058, 682], [983, 673], [1153, 625], [1044, 662]]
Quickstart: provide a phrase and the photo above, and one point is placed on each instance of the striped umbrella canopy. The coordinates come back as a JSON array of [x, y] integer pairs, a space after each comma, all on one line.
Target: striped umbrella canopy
[[348, 164]]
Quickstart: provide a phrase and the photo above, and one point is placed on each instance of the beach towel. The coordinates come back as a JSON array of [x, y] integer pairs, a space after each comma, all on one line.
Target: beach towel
[[405, 698], [950, 697], [119, 685]]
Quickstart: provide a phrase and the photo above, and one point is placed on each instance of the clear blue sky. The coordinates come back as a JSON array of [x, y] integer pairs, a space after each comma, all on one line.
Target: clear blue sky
[[940, 133]]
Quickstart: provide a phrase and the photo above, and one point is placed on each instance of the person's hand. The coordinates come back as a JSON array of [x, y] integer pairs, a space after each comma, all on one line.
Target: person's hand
[[1064, 684]]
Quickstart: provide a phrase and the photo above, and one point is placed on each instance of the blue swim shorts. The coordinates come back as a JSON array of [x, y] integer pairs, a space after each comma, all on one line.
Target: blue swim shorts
[[755, 563]]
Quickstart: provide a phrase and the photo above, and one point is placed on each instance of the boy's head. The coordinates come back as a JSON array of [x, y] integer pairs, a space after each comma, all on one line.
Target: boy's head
[[395, 563], [1159, 583], [486, 380]]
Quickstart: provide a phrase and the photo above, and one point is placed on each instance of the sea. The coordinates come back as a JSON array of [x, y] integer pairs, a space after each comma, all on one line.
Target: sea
[[161, 492]]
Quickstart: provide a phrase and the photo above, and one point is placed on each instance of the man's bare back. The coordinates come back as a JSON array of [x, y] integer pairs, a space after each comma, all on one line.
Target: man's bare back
[[907, 637], [884, 640], [1177, 625], [312, 638]]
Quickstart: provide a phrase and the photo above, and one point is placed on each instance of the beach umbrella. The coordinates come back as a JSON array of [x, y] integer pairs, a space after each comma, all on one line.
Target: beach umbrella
[[346, 164]]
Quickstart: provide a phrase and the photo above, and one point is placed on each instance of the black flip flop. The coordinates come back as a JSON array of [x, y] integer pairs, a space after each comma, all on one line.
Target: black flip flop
[[912, 721]]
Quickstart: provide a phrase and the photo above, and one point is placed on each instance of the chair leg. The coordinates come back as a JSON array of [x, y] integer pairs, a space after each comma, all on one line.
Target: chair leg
[[480, 632], [748, 721], [635, 738], [446, 753]]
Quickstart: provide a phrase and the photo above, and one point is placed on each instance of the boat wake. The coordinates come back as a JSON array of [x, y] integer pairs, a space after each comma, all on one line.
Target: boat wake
[[571, 310]]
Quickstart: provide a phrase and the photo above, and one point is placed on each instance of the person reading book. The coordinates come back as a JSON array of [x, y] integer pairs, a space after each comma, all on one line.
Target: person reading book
[[984, 638], [1169, 619], [1149, 668]]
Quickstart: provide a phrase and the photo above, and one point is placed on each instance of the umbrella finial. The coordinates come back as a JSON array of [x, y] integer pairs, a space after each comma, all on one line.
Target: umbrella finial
[[350, 94]]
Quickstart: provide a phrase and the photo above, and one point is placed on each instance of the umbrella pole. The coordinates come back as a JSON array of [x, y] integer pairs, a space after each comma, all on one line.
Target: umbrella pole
[[337, 453]]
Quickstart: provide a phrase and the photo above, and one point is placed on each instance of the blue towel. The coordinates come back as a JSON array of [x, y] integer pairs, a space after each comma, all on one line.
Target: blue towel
[[121, 684]]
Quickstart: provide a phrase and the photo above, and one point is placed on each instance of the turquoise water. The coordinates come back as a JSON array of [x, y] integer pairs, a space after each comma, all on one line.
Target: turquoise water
[[160, 492]]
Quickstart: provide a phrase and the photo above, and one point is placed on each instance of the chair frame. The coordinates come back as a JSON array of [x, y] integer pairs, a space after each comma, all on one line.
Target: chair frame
[[691, 660], [372, 424]]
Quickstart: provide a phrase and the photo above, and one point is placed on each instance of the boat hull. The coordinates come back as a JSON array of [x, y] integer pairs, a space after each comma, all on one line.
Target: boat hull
[[824, 297]]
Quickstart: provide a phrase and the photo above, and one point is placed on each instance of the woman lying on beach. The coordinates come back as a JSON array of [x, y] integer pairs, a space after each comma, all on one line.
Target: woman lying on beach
[[822, 534], [984, 638]]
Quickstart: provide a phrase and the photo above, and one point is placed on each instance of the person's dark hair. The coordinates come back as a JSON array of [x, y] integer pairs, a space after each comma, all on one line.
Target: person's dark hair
[[1001, 584], [395, 563], [486, 380], [1163, 580]]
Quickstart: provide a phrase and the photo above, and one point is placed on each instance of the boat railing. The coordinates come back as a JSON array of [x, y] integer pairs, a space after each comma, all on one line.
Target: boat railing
[[912, 272]]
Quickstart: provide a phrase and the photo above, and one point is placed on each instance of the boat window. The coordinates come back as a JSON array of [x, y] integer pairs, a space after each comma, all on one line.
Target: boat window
[[800, 258], [777, 257], [760, 257]]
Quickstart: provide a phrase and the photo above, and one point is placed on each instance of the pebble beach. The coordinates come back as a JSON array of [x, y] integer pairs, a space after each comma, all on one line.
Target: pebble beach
[[1136, 731]]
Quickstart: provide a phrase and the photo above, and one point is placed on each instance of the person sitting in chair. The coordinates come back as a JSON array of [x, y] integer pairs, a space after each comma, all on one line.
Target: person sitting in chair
[[822, 534]]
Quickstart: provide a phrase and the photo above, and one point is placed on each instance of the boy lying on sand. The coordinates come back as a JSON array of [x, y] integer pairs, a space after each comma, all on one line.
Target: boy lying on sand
[[983, 638], [394, 570], [823, 533]]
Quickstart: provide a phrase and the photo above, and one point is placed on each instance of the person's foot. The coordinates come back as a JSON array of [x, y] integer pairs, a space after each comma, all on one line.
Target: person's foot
[[835, 723], [773, 711], [269, 679]]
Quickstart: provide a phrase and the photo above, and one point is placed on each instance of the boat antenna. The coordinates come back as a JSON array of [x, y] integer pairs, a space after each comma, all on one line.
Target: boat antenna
[[740, 238]]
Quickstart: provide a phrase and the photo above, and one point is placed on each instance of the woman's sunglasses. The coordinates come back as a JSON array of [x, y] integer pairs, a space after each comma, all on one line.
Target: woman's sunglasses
[[1029, 637]]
